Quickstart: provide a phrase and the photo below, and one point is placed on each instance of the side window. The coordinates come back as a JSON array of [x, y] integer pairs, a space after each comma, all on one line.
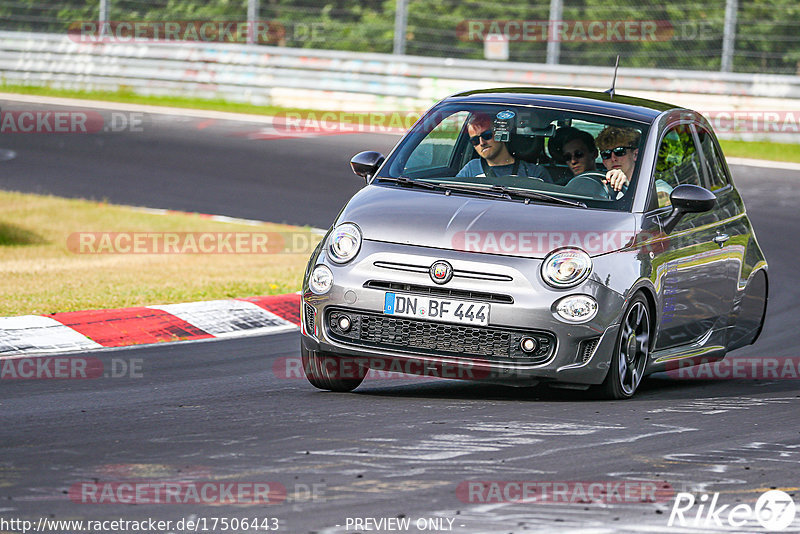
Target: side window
[[678, 163], [716, 168], [436, 149]]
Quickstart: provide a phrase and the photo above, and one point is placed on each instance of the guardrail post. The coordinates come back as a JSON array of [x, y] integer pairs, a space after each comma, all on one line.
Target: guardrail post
[[102, 18], [729, 35], [553, 45], [252, 17], [400, 28]]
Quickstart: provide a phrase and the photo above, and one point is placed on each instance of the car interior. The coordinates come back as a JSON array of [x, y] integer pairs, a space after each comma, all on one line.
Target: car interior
[[442, 149]]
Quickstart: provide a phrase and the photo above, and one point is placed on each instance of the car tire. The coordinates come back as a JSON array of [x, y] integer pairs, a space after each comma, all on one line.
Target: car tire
[[321, 370], [631, 352]]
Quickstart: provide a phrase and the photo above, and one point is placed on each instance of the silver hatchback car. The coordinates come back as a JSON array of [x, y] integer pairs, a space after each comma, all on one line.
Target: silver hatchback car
[[520, 236]]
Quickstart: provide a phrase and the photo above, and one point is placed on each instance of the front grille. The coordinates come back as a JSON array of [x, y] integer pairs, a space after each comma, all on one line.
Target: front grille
[[586, 349], [434, 338], [457, 273], [310, 312], [440, 291]]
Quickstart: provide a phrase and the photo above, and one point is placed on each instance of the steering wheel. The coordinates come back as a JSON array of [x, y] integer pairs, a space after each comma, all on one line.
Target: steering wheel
[[591, 184]]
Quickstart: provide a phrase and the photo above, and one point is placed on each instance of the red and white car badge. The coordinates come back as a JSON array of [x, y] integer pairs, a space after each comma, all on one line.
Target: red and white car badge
[[441, 272]]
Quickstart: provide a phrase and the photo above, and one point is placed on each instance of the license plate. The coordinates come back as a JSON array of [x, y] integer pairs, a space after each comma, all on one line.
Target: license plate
[[436, 309]]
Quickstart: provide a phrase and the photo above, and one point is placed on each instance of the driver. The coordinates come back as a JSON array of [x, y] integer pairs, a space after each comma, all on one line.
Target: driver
[[495, 159], [619, 150]]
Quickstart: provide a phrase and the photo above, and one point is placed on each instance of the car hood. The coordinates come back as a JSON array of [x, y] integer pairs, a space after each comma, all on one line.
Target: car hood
[[477, 224]]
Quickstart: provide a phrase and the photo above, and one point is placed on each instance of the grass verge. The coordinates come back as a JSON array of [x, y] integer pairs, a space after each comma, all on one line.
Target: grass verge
[[40, 273], [130, 97], [761, 150]]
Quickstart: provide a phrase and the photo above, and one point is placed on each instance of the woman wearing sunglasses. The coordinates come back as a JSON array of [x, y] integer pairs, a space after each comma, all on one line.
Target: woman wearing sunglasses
[[618, 149], [495, 158]]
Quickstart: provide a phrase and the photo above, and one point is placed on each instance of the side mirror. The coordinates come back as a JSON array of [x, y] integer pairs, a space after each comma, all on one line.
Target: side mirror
[[685, 199], [365, 164]]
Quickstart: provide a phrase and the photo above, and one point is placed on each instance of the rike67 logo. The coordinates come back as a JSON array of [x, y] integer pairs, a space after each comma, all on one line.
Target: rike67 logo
[[774, 511]]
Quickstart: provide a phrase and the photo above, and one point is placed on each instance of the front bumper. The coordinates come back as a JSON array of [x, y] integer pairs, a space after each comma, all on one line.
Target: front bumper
[[521, 304]]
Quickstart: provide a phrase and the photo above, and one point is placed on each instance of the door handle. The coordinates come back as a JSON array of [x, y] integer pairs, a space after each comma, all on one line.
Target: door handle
[[720, 239]]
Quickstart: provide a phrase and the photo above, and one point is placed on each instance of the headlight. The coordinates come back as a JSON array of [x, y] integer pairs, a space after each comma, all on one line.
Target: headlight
[[321, 280], [577, 308], [344, 243], [566, 268]]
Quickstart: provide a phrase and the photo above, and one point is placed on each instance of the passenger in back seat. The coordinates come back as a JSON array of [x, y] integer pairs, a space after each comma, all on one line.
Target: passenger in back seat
[[574, 148], [579, 151]]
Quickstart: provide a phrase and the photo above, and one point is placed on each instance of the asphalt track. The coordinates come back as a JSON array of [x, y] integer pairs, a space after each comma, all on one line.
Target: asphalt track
[[226, 411], [239, 169]]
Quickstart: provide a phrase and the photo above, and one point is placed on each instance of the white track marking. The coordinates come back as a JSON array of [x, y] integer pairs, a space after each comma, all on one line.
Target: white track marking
[[222, 318], [34, 333]]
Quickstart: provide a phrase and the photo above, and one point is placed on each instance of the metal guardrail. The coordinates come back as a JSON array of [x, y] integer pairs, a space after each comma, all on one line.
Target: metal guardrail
[[273, 75]]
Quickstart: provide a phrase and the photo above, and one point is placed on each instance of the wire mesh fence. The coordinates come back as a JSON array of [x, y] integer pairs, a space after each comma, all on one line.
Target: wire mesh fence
[[763, 35]]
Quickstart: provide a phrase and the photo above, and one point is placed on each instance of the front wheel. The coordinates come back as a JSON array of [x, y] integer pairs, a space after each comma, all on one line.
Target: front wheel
[[630, 352], [332, 373]]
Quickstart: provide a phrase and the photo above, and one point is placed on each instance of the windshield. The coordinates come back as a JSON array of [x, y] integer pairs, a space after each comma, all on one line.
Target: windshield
[[591, 160]]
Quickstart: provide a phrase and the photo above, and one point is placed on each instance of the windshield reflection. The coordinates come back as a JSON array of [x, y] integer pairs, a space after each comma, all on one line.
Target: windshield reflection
[[589, 160]]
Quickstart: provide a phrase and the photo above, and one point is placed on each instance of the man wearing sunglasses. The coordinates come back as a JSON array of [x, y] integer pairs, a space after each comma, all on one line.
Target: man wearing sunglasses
[[618, 150], [495, 158]]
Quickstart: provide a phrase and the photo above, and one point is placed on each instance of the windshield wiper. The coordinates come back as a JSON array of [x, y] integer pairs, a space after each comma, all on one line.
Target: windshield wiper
[[490, 192], [535, 195], [407, 181], [447, 188], [494, 191]]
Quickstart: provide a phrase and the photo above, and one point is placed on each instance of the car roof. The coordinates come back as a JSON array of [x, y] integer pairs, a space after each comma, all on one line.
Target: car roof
[[627, 107]]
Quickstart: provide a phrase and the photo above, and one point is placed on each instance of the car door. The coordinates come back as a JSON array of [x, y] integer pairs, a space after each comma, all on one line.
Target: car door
[[733, 230], [692, 273]]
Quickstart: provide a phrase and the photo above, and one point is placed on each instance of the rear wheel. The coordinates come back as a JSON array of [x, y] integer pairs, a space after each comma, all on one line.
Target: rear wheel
[[630, 353], [332, 373]]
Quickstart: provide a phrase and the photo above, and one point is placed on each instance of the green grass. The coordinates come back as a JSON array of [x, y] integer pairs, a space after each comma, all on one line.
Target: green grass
[[42, 270], [406, 117], [761, 150], [128, 96]]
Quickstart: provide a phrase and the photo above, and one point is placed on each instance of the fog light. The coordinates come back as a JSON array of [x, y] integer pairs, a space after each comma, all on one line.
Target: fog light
[[577, 308], [344, 323], [321, 280], [528, 344]]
